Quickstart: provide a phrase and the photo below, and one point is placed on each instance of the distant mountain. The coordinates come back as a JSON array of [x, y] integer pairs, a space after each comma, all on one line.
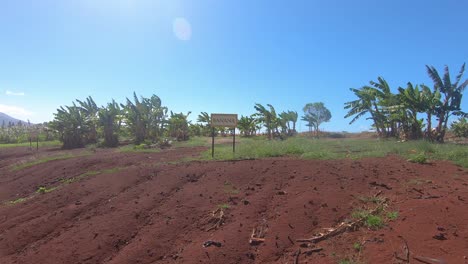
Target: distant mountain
[[6, 118]]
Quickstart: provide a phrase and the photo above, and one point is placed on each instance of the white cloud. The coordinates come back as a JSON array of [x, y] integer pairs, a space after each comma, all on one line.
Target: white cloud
[[15, 111], [8, 92]]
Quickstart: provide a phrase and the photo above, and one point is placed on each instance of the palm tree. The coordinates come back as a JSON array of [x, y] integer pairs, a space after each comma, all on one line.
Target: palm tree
[[247, 125], [293, 118], [431, 101], [378, 101], [71, 125], [205, 119], [109, 120], [179, 126], [411, 103], [90, 111], [452, 95], [146, 118], [267, 117]]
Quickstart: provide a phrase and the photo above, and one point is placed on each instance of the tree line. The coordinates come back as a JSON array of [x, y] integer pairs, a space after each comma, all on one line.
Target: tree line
[[146, 121], [401, 114]]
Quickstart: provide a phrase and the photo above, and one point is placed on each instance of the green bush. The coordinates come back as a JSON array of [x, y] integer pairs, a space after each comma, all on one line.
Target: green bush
[[419, 158], [460, 127]]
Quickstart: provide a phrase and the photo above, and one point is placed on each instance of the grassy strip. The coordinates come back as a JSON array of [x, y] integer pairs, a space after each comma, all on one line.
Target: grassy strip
[[26, 144], [339, 149], [193, 142], [43, 190], [90, 173], [44, 160], [138, 149]]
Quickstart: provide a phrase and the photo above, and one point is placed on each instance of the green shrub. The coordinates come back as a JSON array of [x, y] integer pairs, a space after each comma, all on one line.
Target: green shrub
[[392, 215], [374, 221], [419, 158], [460, 127]]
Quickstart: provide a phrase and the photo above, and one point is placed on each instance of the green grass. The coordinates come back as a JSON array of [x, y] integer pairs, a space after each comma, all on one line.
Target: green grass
[[44, 190], [418, 158], [357, 246], [90, 173], [392, 216], [26, 144], [223, 206], [44, 160], [193, 142], [250, 148], [17, 201], [137, 148], [373, 221]]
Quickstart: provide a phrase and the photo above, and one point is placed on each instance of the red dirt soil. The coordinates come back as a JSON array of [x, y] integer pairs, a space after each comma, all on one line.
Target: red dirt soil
[[157, 209]]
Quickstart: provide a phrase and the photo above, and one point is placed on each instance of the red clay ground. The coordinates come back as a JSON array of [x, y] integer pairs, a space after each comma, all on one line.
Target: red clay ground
[[157, 210]]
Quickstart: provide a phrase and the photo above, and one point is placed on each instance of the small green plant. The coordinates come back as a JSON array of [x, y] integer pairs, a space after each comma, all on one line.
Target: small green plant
[[223, 206], [460, 127], [360, 214], [392, 216], [374, 221], [419, 158], [357, 246]]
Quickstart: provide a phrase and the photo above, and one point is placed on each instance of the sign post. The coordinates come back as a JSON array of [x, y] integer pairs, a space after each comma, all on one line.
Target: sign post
[[223, 120], [34, 135]]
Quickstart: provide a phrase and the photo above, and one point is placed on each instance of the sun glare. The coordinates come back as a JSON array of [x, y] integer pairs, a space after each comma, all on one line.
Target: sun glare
[[182, 28]]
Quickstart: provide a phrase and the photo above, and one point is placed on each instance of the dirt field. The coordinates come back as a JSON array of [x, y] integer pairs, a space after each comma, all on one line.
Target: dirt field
[[114, 207]]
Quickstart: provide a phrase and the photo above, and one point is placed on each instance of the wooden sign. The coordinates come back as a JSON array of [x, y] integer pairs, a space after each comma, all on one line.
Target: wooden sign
[[224, 120]]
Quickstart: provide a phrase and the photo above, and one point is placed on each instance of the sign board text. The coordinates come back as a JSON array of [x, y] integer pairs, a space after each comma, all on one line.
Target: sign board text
[[224, 120]]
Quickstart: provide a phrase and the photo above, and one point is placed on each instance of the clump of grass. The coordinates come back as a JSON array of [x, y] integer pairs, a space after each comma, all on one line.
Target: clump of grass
[[373, 221], [418, 158], [224, 206], [17, 201], [44, 190], [392, 216], [357, 246]]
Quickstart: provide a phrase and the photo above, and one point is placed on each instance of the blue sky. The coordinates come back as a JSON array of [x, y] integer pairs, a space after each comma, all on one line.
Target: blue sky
[[223, 56]]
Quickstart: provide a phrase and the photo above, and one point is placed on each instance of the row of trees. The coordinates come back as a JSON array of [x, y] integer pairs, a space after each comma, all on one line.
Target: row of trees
[[399, 115], [146, 120], [22, 131], [143, 119]]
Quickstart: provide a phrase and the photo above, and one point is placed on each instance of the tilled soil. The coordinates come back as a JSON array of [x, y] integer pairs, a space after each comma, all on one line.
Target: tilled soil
[[157, 208]]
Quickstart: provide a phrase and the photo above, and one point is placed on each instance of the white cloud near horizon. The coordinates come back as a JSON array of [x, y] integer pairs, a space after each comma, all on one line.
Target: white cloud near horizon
[[8, 92], [16, 111]]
